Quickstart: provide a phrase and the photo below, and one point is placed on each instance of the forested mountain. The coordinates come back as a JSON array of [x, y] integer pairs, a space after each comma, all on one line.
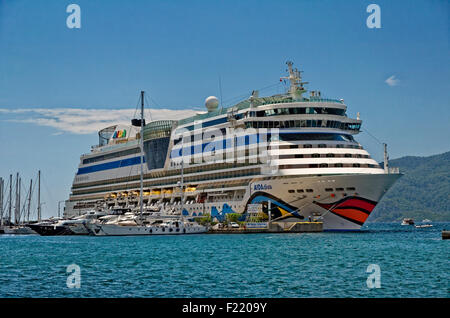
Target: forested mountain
[[423, 191]]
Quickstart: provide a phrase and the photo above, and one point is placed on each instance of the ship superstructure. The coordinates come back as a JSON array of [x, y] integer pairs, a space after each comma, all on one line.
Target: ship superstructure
[[293, 155]]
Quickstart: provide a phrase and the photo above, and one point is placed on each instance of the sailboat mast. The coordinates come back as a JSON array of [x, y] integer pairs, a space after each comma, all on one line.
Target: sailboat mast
[[39, 197], [182, 177], [18, 203], [29, 201], [142, 155], [1, 201], [17, 207], [10, 200]]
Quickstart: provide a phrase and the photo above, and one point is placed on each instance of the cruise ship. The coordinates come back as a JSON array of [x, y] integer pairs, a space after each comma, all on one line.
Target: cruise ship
[[292, 157]]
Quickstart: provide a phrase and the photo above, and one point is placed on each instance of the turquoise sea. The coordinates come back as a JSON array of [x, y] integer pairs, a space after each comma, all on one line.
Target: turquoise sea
[[413, 263]]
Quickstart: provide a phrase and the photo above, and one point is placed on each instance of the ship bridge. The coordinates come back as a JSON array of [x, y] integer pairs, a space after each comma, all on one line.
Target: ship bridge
[[156, 142]]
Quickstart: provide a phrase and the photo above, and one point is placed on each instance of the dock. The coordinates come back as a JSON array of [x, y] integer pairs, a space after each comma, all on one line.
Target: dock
[[274, 227]]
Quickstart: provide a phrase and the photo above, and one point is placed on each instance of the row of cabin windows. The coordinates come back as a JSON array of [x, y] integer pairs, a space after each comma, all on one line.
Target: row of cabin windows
[[328, 155], [297, 111], [319, 146], [327, 190], [197, 137], [270, 136], [112, 155], [278, 136], [340, 189], [303, 124], [326, 165]]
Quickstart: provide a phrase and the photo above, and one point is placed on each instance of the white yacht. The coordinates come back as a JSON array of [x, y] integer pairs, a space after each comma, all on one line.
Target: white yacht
[[295, 152], [77, 224], [158, 227]]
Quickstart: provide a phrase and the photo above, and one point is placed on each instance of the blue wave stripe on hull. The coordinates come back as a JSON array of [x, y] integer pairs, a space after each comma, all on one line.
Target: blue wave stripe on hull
[[110, 165]]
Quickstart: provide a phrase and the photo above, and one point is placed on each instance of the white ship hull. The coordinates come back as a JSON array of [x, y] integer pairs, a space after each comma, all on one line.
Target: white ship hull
[[78, 228], [339, 210], [119, 230]]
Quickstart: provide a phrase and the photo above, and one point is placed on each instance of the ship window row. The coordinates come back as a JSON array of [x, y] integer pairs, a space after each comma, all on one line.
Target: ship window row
[[326, 165], [317, 146], [303, 124], [194, 179], [111, 155], [297, 111], [327, 190], [312, 136], [170, 176], [192, 138], [291, 136], [286, 124], [323, 155], [340, 189]]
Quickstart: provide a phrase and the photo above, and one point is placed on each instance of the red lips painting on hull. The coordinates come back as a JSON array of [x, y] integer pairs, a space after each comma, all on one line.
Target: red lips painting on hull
[[354, 209]]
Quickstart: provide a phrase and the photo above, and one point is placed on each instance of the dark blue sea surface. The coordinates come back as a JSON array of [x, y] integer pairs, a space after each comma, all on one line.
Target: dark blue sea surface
[[413, 263]]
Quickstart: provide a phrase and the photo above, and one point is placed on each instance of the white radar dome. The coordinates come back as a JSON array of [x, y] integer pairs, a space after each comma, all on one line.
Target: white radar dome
[[211, 103]]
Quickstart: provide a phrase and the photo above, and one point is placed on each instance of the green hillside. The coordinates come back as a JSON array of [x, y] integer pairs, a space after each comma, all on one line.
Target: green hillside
[[423, 191]]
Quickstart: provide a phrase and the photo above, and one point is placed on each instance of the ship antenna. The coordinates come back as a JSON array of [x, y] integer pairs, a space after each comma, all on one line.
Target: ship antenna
[[296, 85], [220, 91]]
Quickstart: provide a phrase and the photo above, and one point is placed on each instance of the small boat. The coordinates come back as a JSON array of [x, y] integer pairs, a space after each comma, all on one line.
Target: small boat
[[51, 228], [407, 221], [423, 226], [445, 234], [426, 221], [18, 230], [77, 225]]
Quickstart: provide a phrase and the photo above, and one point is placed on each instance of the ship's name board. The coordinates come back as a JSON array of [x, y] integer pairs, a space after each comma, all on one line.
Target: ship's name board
[[254, 208], [256, 225], [259, 187]]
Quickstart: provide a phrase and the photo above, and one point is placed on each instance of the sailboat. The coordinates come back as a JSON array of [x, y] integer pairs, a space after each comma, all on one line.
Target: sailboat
[[17, 228], [132, 224]]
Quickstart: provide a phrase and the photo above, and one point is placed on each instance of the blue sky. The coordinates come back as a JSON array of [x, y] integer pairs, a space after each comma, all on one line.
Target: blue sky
[[177, 50]]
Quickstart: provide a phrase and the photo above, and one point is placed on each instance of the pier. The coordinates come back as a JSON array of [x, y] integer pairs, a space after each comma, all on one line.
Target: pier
[[273, 227]]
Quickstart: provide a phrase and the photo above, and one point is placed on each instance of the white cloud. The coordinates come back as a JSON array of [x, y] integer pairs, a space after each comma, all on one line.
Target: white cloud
[[85, 121], [392, 81]]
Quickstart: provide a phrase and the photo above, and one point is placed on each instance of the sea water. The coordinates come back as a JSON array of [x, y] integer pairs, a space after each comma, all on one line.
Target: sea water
[[412, 262]]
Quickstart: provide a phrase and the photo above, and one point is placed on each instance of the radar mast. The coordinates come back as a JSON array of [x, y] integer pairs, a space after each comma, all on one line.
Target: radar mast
[[296, 88]]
